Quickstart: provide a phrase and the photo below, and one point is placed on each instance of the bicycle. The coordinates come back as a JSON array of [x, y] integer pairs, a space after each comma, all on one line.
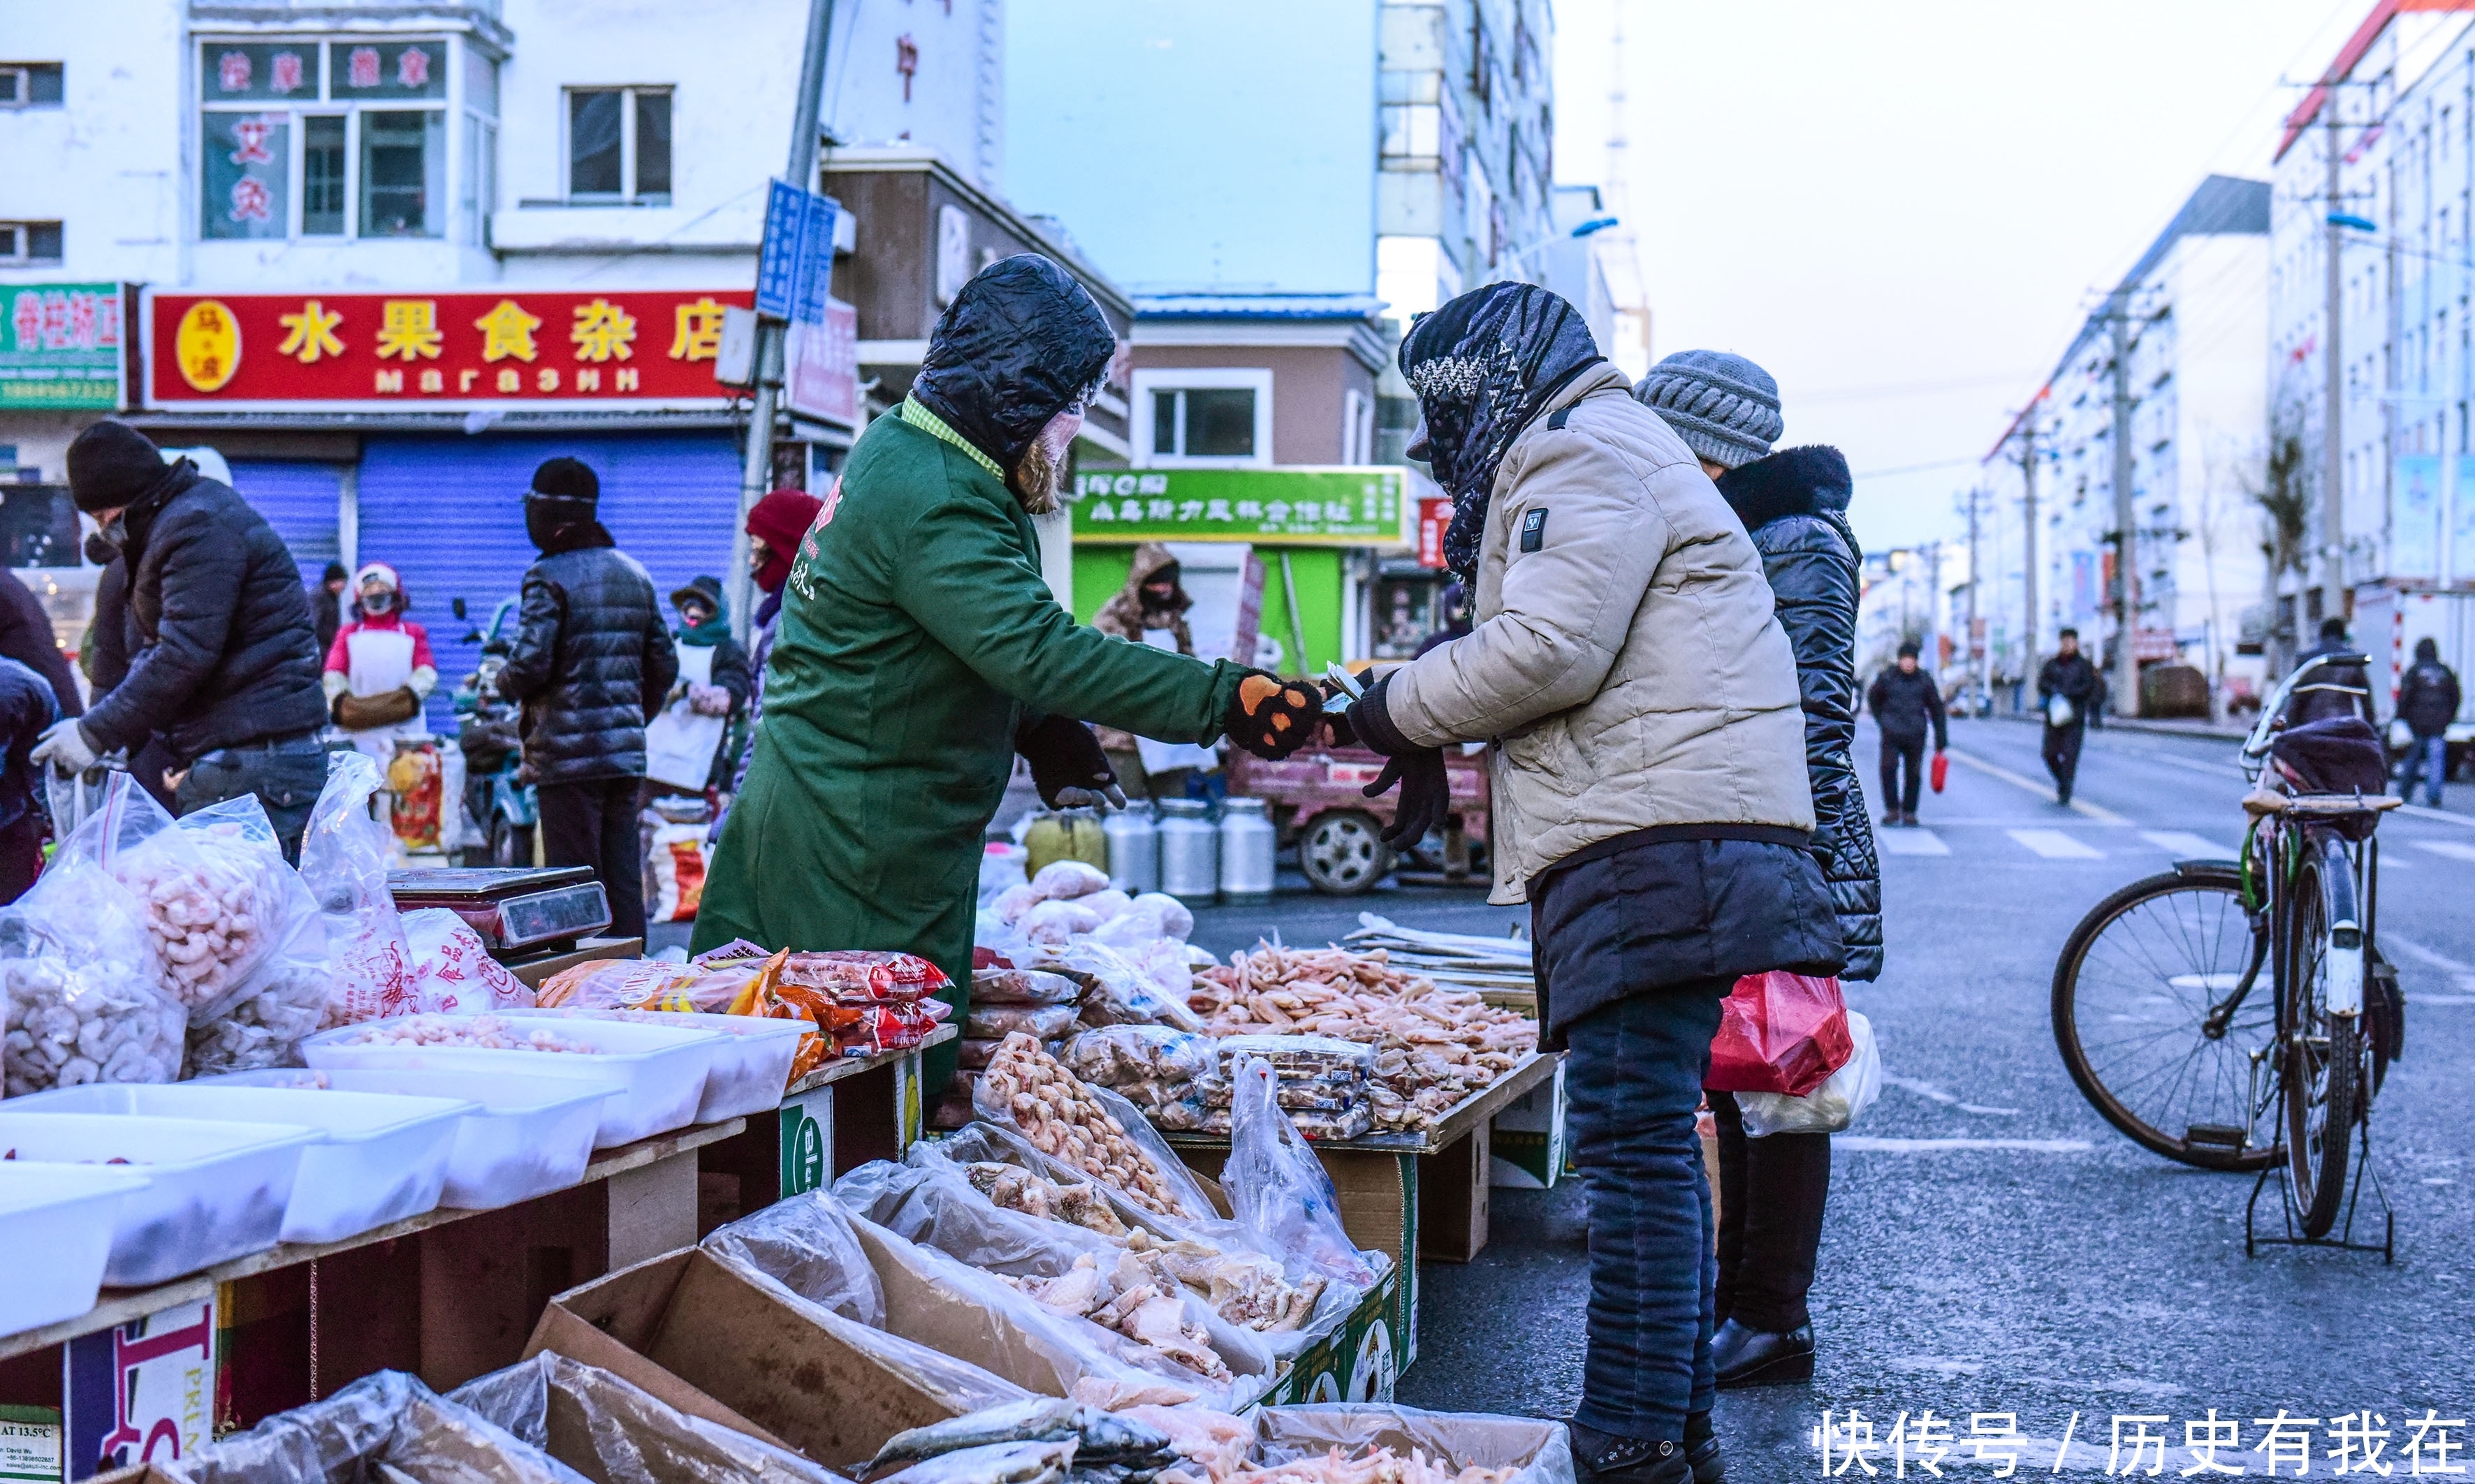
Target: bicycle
[[2155, 1004]]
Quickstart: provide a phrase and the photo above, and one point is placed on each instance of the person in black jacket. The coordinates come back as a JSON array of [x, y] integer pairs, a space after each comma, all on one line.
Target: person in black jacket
[[2332, 690], [223, 658], [2070, 678], [105, 659], [1772, 1190], [2428, 702], [1904, 702], [26, 636], [27, 709], [591, 666], [328, 602]]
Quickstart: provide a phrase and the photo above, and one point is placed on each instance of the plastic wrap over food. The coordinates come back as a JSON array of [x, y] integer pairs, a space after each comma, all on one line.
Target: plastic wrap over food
[[384, 1426], [1053, 923], [1163, 1071], [344, 864], [806, 1244], [995, 1463], [217, 897], [1114, 992], [634, 1436], [1022, 986], [79, 983], [1066, 880], [1278, 1188], [1527, 1450], [847, 975], [1102, 1440], [1090, 1128], [1325, 1057], [287, 999], [452, 972], [1039, 1022], [649, 983]]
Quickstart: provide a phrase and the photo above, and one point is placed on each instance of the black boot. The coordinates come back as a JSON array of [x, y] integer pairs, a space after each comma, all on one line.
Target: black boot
[[1702, 1450], [1757, 1357], [1604, 1458]]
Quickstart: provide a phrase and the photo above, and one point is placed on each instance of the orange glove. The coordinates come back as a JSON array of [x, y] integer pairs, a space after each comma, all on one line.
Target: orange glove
[[1272, 718]]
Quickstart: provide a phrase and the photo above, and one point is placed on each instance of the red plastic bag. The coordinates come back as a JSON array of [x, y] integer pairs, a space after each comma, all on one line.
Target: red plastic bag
[[1941, 770], [1780, 1033]]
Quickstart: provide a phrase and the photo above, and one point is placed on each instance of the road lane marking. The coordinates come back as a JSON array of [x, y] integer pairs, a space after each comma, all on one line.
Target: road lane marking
[[1868, 1144], [1910, 841], [2453, 849], [1933, 1094], [2055, 845], [2023, 781], [2443, 815], [2432, 957], [2183, 844]]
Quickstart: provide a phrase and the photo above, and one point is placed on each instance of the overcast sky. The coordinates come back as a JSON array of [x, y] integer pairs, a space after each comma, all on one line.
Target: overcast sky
[[1902, 207]]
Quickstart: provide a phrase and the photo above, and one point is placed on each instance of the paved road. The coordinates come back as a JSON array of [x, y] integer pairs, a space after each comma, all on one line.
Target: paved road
[[1993, 1245]]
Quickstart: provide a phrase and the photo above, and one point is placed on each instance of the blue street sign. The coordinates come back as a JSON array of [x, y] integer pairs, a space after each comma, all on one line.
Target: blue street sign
[[816, 259], [778, 262]]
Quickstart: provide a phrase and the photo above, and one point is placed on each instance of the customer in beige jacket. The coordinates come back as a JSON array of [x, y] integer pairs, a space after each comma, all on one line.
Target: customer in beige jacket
[[1640, 708]]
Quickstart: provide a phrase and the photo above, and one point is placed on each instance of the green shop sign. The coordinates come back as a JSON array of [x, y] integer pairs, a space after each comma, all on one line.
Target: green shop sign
[[1340, 507], [60, 346]]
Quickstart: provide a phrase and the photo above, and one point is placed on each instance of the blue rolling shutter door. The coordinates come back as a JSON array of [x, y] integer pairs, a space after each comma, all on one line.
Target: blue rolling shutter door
[[448, 514], [303, 503]]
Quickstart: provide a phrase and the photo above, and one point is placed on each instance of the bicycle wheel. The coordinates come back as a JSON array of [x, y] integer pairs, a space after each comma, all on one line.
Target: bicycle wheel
[[2323, 1062], [2141, 1016]]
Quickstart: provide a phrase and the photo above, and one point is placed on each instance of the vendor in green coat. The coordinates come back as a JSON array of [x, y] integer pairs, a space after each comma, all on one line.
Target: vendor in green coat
[[919, 650]]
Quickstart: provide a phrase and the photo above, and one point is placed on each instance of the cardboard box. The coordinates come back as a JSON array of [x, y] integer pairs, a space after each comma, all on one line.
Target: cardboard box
[[1530, 1145], [1379, 1209], [717, 1345], [1358, 1362]]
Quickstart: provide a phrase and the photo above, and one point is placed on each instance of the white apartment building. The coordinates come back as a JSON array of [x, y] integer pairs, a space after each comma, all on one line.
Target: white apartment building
[[2190, 316], [2387, 147]]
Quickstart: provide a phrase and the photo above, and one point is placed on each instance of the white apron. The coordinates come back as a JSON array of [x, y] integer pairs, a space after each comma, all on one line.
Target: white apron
[[678, 743], [382, 661], [1159, 757]]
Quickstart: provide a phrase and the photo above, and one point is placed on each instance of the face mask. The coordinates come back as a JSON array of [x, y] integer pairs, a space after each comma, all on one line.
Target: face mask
[[381, 601], [103, 546]]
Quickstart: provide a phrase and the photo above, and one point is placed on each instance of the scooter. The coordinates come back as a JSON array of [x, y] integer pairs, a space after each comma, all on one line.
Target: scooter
[[497, 797]]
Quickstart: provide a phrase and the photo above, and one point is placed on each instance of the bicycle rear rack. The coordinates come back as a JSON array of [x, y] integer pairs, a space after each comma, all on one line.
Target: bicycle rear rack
[[2345, 1240]]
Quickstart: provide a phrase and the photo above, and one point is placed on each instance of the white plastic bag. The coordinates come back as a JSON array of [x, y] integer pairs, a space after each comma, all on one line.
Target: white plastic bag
[[83, 996], [452, 973], [1829, 1109], [1278, 1188], [213, 889], [2058, 711], [344, 861]]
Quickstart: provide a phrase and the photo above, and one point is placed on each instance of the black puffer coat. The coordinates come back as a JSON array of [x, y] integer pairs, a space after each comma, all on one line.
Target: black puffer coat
[[1794, 505], [592, 662], [221, 647]]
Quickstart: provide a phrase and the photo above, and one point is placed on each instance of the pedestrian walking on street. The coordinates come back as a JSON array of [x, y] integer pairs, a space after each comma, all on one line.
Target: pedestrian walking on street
[[1650, 794], [2428, 703], [223, 656], [591, 666], [2068, 693], [1773, 1189], [328, 602], [687, 745], [1906, 704]]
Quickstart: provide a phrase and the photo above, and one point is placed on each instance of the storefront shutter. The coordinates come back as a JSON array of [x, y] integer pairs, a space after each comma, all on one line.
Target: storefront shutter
[[302, 501], [448, 514]]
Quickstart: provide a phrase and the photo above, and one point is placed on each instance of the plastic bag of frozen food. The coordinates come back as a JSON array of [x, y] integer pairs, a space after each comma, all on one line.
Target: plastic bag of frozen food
[[1278, 1188], [806, 1243], [452, 973], [215, 892], [383, 1427], [996, 1022], [1022, 986], [81, 997], [633, 1436], [1066, 880], [1454, 1440], [1114, 992], [1089, 1129], [1162, 1071], [344, 864], [846, 976]]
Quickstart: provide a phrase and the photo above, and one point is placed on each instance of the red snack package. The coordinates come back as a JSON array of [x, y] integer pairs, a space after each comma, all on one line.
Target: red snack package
[[852, 976]]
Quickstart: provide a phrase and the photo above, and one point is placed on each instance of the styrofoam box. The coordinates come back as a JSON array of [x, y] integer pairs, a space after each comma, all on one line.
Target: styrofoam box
[[531, 1133], [215, 1191], [56, 1226], [748, 1074], [382, 1158], [660, 1069]]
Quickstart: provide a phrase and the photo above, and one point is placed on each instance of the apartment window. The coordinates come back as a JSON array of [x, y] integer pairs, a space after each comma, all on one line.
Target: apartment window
[[29, 85], [1206, 417], [619, 145], [29, 242], [323, 138]]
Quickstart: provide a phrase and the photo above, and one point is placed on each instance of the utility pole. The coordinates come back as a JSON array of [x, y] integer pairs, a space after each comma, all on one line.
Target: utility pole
[[2333, 471], [756, 474], [2028, 541], [1975, 656], [2126, 545]]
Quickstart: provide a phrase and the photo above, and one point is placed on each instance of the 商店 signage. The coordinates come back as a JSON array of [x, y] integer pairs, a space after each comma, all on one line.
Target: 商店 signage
[[392, 350], [60, 346], [1296, 506]]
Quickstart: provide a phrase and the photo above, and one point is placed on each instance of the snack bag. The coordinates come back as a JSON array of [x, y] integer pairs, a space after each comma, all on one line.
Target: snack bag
[[452, 973], [344, 862]]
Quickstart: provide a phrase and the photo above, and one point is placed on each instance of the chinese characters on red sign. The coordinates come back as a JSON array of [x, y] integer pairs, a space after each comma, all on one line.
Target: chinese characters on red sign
[[443, 348]]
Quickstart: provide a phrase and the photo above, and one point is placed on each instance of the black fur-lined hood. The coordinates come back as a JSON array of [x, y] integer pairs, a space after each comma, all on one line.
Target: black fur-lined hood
[[1810, 480]]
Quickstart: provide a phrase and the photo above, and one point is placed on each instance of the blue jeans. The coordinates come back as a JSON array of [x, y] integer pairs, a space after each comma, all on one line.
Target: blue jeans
[[2430, 757], [1634, 1078]]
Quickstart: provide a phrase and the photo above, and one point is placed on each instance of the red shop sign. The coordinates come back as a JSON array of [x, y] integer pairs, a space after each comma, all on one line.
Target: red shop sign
[[464, 348]]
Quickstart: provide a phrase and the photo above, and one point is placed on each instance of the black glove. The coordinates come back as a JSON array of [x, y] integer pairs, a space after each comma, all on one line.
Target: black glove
[[1272, 718], [1426, 788], [1067, 767]]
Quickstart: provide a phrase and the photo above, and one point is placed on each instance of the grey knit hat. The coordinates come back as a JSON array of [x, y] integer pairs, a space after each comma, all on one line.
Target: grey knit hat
[[1724, 407]]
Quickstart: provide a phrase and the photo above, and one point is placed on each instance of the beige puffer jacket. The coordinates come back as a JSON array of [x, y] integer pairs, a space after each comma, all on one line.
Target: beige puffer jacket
[[1626, 667]]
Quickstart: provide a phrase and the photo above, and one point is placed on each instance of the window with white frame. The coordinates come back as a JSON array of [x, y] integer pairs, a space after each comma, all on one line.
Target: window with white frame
[[619, 145], [1356, 427], [1202, 417], [308, 137], [29, 242], [29, 85]]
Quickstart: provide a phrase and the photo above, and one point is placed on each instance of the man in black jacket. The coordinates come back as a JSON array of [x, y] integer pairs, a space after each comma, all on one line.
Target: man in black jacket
[[26, 636], [1904, 702], [2070, 678], [223, 661], [591, 665], [2428, 702]]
